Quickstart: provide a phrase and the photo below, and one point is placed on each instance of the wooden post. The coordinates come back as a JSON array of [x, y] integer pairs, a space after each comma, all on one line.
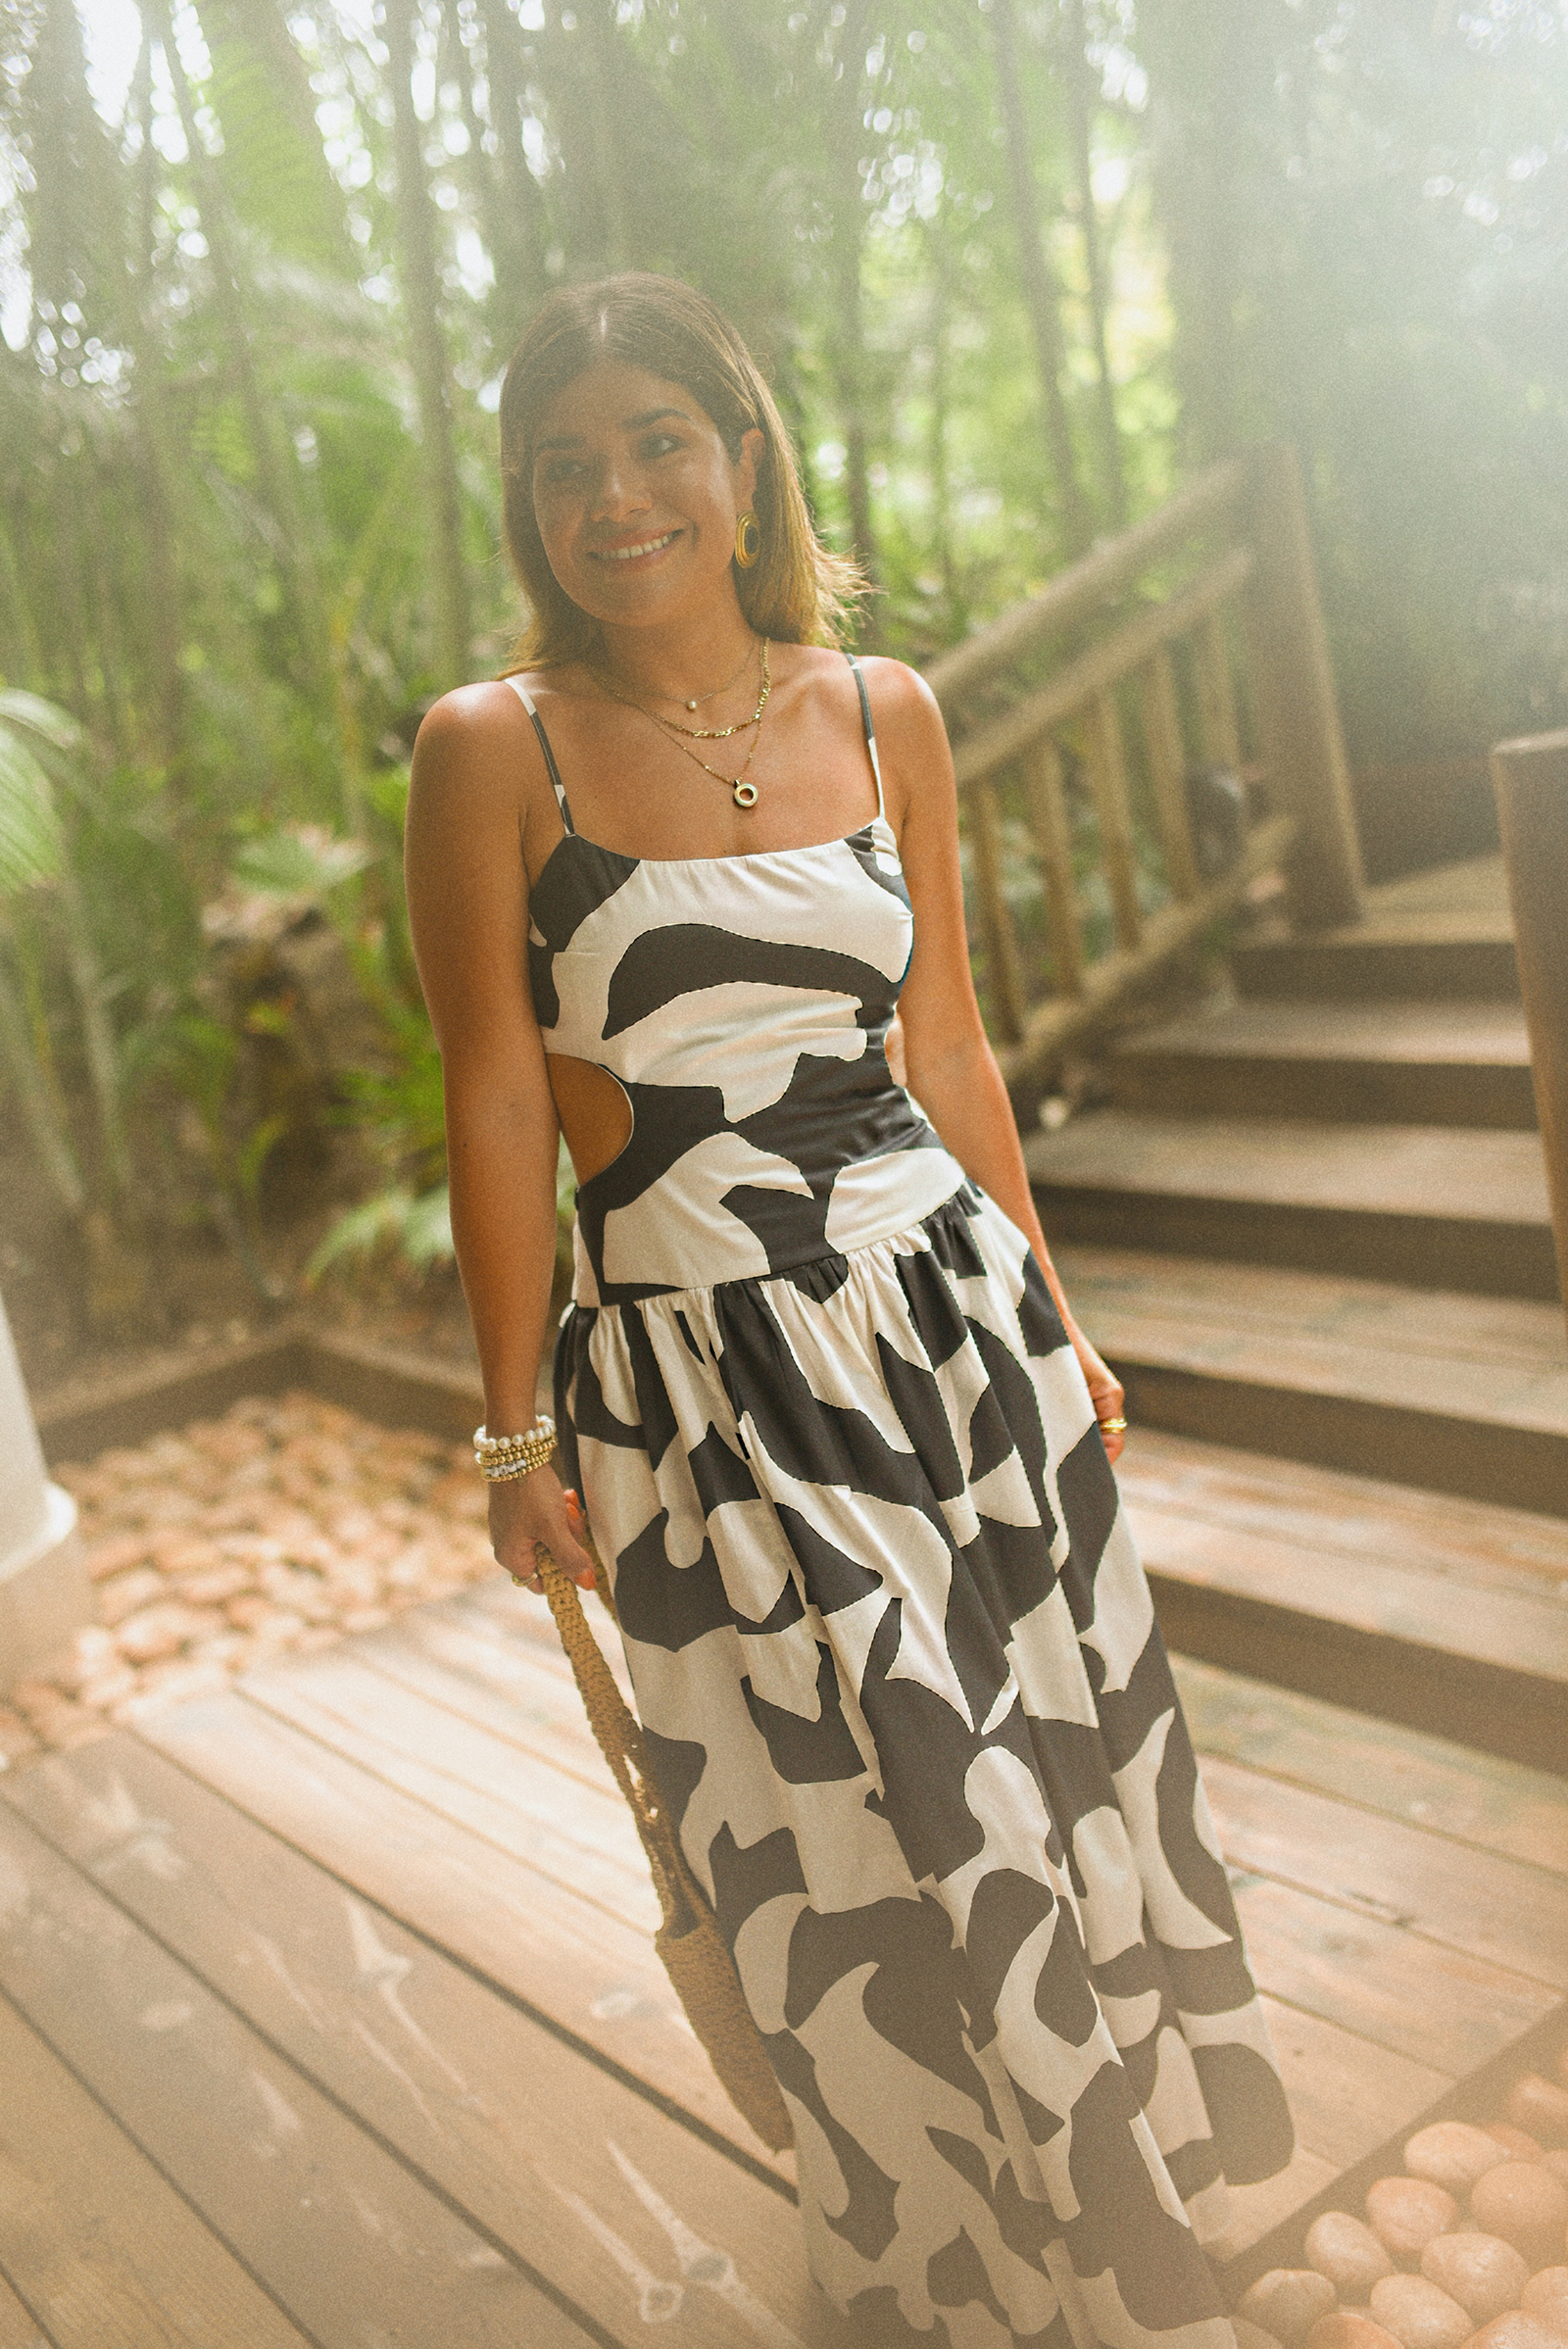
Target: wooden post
[[1009, 999], [1167, 769], [1531, 780], [1108, 775], [1298, 711], [1222, 736], [1052, 831]]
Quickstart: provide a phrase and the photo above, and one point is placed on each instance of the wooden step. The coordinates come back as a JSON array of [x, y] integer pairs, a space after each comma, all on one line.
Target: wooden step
[[1461, 1395], [1447, 1616], [511, 2123], [1430, 1205], [1438, 934], [1394, 1063]]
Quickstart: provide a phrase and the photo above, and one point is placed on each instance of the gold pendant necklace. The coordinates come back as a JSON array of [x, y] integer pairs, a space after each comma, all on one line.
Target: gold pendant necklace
[[743, 794], [703, 733]]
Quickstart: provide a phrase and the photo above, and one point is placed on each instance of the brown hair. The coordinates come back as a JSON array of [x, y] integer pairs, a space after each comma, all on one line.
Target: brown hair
[[797, 592]]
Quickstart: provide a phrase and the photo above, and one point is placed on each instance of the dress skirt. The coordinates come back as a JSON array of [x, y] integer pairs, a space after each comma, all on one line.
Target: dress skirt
[[903, 1687]]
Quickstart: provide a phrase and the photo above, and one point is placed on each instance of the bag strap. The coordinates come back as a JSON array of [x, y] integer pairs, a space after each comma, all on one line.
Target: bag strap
[[621, 1741]]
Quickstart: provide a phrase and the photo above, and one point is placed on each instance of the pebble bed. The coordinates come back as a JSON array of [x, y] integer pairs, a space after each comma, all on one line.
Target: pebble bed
[[1466, 2249], [280, 1528]]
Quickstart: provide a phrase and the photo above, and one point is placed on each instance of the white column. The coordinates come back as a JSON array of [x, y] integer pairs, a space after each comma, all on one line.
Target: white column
[[44, 1592]]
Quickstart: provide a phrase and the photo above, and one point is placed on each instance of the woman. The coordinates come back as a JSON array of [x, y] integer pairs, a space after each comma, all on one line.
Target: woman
[[843, 1447]]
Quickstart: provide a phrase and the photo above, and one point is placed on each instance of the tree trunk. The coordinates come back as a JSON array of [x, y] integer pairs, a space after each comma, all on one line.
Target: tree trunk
[[1200, 65], [522, 281], [1041, 297], [1082, 92], [427, 352], [955, 615], [845, 109], [274, 470]]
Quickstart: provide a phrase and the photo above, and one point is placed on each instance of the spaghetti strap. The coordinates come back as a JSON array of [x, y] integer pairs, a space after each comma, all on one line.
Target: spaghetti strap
[[870, 731], [554, 771]]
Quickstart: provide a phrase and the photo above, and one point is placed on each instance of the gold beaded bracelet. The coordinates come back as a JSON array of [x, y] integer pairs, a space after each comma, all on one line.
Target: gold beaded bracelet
[[500, 1459]]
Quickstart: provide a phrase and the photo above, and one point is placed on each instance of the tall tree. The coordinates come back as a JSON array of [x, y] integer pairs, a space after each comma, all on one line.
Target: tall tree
[[1041, 293], [422, 308], [843, 128]]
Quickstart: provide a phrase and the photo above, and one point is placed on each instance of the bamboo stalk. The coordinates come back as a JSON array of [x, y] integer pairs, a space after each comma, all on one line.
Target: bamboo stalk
[[1168, 767], [1053, 830], [1003, 962], [1108, 774]]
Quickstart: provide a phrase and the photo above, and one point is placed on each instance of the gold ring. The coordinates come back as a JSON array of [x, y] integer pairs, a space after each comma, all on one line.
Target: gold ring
[[1112, 1427]]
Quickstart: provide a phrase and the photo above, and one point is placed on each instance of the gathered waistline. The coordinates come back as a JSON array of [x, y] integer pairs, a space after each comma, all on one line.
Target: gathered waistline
[[965, 1188]]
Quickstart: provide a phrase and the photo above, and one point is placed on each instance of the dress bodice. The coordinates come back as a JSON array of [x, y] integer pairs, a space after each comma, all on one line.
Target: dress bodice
[[743, 1004]]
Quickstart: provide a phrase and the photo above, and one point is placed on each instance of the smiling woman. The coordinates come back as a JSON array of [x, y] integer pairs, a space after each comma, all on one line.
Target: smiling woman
[[843, 1450]]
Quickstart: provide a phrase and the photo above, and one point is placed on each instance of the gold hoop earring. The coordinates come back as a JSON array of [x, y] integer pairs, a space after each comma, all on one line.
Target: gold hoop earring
[[748, 541]]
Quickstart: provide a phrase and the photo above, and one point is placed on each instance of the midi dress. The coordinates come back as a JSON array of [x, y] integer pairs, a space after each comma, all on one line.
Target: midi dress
[[890, 1643]]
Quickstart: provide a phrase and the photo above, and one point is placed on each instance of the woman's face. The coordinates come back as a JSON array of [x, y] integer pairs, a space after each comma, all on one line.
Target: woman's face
[[637, 497]]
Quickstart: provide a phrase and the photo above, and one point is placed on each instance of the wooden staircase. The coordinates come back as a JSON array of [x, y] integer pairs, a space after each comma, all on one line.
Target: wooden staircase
[[1312, 1227]]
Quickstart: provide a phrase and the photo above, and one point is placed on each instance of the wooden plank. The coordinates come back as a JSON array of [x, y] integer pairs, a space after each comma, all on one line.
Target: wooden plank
[[1515, 1917], [1446, 1788], [1437, 1063], [1464, 1209], [1416, 1997], [1076, 685], [18, 2331], [441, 1656], [1168, 767], [1052, 831], [1108, 775], [1435, 1618], [108, 2255], [1345, 2094], [512, 2125], [1010, 995], [343, 2238], [576, 1835], [1357, 1380], [561, 1956]]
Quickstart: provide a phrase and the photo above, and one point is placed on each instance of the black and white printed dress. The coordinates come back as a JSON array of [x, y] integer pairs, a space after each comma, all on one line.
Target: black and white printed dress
[[889, 1638]]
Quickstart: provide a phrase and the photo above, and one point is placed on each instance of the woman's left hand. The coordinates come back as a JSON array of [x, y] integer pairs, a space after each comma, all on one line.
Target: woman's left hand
[[1105, 1393]]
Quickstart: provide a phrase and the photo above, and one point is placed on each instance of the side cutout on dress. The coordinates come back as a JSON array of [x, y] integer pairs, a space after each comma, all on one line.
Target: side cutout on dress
[[595, 1113]]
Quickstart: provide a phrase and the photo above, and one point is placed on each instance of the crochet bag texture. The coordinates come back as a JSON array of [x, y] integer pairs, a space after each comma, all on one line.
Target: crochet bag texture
[[689, 1944]]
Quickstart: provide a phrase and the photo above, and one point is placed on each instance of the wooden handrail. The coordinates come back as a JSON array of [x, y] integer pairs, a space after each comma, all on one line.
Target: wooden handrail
[[1082, 680], [1077, 592], [1529, 777], [1132, 716]]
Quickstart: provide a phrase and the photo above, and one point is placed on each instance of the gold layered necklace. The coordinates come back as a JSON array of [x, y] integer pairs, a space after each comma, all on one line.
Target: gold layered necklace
[[743, 794]]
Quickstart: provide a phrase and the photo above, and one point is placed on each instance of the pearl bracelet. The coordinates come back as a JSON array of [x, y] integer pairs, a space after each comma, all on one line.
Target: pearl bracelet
[[502, 1458]]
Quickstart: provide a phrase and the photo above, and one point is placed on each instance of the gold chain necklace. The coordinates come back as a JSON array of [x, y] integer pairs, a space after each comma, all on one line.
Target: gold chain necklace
[[743, 794], [703, 733]]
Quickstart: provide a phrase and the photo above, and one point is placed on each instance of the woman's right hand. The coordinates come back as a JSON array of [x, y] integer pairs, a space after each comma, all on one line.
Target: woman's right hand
[[532, 1513]]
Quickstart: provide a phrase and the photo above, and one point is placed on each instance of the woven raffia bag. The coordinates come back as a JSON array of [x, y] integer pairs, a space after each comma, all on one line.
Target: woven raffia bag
[[689, 1944]]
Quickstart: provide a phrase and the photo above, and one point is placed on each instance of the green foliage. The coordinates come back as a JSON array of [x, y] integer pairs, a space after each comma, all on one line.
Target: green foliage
[[221, 564]]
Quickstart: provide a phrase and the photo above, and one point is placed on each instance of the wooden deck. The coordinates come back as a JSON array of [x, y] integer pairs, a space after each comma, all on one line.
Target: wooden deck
[[330, 2012]]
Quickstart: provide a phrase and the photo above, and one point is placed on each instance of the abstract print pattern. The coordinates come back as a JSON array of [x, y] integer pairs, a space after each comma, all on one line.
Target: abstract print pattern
[[742, 1004], [897, 1660], [890, 1643]]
